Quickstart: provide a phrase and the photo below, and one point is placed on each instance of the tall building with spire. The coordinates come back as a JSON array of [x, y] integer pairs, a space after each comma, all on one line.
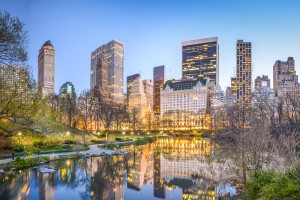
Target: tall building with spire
[[46, 68], [243, 73], [107, 71]]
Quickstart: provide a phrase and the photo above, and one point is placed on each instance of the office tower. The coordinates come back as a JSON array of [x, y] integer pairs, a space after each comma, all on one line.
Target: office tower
[[130, 80], [107, 70], [68, 90], [233, 86], [262, 81], [285, 79], [137, 99], [158, 83], [148, 89], [200, 58], [46, 68], [243, 73]]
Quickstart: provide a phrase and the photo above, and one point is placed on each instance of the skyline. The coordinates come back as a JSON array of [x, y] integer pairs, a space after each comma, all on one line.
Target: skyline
[[152, 33]]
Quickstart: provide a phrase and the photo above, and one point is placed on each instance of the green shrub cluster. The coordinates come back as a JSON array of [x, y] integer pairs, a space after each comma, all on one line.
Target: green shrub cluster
[[21, 163], [142, 141], [269, 185]]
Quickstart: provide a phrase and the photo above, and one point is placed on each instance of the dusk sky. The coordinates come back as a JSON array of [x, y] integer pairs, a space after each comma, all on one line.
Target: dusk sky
[[152, 32]]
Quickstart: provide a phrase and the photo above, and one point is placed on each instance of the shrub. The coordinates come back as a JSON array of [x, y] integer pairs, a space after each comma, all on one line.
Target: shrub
[[70, 142], [141, 141], [18, 148]]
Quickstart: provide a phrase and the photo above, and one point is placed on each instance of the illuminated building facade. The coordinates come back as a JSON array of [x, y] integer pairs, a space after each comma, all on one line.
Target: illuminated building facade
[[184, 103], [14, 76], [158, 83], [130, 80], [107, 70], [243, 73], [46, 68], [233, 86], [137, 98], [262, 81], [285, 79], [148, 89], [200, 59]]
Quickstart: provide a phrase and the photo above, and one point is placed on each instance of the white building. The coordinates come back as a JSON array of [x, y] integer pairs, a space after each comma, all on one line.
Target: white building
[[183, 103]]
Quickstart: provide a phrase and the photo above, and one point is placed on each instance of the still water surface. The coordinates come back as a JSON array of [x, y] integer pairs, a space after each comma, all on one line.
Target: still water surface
[[161, 170]]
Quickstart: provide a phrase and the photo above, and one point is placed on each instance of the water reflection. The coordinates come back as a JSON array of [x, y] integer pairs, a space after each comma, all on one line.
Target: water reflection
[[161, 170]]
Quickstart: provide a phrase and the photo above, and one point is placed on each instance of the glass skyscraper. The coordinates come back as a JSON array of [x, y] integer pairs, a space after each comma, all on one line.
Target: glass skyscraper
[[107, 70], [200, 58]]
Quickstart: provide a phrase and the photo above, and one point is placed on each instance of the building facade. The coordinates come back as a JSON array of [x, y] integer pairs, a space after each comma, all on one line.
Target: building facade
[[137, 99], [158, 83], [200, 58], [184, 104], [243, 73], [262, 81], [46, 68], [285, 79], [148, 90], [107, 71]]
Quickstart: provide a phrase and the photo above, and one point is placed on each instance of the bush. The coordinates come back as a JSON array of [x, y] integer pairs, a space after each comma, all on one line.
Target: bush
[[141, 142], [70, 142], [18, 148], [21, 163], [271, 185]]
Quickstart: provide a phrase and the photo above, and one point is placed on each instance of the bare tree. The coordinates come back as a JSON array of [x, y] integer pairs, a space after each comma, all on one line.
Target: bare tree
[[86, 107]]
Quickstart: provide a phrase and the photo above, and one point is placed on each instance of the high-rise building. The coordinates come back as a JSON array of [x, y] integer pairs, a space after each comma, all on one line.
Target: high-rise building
[[137, 98], [284, 77], [46, 68], [243, 73], [262, 81], [158, 83], [130, 80], [107, 70], [200, 58], [148, 89]]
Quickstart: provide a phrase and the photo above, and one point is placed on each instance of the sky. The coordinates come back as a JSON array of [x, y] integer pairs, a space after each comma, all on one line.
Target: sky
[[152, 32]]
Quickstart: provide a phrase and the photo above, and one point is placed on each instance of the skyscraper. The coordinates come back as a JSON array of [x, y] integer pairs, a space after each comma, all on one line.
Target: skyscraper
[[284, 77], [46, 69], [262, 81], [107, 70], [130, 80], [148, 89], [200, 58], [243, 73], [158, 83]]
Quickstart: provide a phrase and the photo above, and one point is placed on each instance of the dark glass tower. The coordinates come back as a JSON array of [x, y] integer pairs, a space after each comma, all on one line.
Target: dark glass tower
[[200, 58]]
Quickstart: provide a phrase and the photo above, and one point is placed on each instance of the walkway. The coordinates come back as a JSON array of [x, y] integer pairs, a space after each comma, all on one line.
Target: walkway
[[93, 150]]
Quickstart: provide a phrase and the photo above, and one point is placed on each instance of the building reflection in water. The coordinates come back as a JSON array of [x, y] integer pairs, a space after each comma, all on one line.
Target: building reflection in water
[[166, 165]]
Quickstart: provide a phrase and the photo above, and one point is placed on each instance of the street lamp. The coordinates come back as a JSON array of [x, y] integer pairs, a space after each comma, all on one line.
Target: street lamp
[[98, 133], [123, 135], [19, 133]]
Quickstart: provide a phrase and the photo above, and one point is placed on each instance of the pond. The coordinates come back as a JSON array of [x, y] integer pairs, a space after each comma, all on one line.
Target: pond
[[160, 170]]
